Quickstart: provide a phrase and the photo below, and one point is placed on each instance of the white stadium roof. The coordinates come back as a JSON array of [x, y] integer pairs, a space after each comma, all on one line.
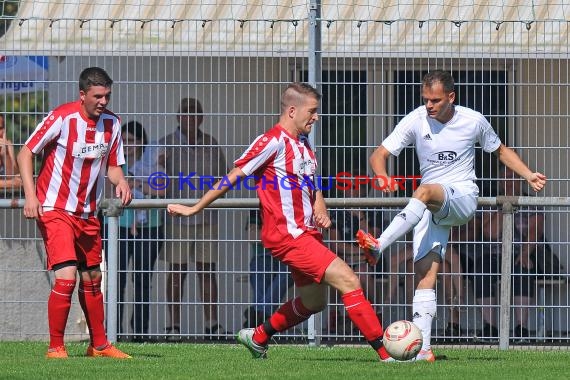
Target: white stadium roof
[[233, 27]]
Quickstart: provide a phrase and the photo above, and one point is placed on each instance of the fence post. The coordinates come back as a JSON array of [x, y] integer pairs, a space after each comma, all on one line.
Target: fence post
[[314, 53], [506, 265], [112, 210], [314, 70]]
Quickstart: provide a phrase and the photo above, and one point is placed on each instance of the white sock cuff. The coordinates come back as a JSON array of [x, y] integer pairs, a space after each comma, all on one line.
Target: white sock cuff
[[424, 295], [417, 207]]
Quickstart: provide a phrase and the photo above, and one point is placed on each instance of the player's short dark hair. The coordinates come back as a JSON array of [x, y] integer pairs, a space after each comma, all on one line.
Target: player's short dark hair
[[441, 76], [94, 76], [292, 92]]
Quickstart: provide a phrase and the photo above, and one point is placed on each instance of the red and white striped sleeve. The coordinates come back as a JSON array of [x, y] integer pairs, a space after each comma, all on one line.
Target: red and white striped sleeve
[[262, 151], [47, 131]]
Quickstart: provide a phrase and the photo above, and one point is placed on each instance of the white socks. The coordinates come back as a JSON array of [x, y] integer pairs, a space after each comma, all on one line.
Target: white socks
[[402, 223], [424, 309]]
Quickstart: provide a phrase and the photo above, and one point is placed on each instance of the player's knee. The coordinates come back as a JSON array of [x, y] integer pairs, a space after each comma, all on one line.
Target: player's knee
[[423, 193], [341, 277], [427, 282]]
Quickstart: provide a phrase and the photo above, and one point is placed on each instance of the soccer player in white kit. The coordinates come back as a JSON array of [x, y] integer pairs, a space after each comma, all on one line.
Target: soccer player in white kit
[[444, 136]]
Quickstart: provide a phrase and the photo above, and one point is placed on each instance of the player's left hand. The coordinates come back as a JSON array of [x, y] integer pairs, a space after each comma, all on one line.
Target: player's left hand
[[123, 191], [322, 220], [537, 181]]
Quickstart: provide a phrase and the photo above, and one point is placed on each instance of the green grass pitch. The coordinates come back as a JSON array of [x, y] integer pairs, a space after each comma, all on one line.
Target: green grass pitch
[[25, 360]]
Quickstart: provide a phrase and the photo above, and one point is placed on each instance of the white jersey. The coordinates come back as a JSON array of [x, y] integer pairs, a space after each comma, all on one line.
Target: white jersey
[[446, 152]]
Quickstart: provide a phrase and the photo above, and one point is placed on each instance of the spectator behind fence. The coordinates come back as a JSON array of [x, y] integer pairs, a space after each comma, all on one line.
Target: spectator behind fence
[[444, 136], [401, 260], [268, 277], [9, 174], [140, 232], [528, 239], [79, 141], [292, 216], [345, 224], [185, 151]]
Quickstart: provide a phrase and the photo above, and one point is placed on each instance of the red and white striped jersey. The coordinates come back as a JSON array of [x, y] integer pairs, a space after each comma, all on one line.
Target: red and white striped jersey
[[76, 153], [283, 167]]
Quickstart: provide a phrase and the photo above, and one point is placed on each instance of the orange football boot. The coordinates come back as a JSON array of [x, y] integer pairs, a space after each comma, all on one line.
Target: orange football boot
[[370, 246], [57, 353], [108, 352]]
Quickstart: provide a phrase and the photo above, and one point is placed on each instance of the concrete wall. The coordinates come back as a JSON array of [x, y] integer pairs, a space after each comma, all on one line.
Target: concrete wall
[[25, 287]]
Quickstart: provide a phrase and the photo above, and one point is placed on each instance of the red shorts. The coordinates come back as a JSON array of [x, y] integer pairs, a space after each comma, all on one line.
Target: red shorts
[[307, 258], [70, 238]]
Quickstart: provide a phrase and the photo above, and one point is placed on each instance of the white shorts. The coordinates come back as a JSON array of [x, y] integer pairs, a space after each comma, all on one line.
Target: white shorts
[[432, 232]]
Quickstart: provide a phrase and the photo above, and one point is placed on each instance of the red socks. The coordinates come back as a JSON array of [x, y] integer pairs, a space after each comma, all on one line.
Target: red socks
[[362, 314], [293, 312], [59, 303], [288, 315], [91, 300]]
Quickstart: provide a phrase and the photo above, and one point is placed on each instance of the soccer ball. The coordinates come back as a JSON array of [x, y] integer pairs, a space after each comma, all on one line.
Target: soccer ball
[[403, 340]]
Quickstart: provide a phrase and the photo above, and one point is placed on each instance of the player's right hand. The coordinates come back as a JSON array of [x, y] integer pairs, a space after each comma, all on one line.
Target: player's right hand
[[33, 208], [181, 210], [387, 184]]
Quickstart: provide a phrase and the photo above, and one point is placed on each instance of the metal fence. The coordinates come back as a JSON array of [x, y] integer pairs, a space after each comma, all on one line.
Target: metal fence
[[510, 62]]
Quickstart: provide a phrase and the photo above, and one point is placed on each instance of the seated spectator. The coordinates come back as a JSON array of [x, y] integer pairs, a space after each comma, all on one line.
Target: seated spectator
[[345, 224], [396, 260], [9, 173], [400, 260], [463, 240], [458, 263], [269, 277], [528, 230]]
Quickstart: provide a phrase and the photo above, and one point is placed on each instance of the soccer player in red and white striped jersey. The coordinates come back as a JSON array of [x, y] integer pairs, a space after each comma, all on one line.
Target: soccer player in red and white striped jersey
[[80, 141], [283, 165]]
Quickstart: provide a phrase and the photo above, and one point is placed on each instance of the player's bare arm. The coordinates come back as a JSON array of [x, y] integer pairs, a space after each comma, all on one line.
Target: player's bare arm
[[320, 215], [122, 189], [511, 159], [214, 193], [378, 161], [32, 206]]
